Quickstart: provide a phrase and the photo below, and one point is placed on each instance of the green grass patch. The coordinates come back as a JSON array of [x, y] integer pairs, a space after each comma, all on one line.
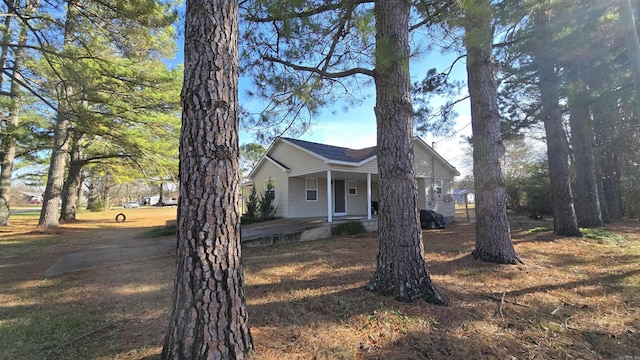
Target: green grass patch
[[535, 230], [601, 236], [159, 231], [34, 334], [31, 214], [28, 244]]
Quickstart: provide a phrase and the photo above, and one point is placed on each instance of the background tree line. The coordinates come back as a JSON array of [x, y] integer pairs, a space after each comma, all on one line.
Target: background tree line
[[87, 97]]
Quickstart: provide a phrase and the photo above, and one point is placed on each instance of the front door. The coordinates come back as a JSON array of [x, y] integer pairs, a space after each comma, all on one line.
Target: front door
[[340, 198]]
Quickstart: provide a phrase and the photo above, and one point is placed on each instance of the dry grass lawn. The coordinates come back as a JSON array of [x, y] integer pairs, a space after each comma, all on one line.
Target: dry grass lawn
[[573, 299]]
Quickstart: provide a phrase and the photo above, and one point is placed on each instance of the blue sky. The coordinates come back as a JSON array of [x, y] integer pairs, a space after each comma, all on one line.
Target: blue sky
[[356, 127]]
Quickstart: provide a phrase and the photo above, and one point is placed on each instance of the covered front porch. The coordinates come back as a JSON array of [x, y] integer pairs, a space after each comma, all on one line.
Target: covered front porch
[[333, 195]]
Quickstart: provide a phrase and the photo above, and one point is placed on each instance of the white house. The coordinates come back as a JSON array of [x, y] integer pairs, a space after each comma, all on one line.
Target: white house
[[317, 180]]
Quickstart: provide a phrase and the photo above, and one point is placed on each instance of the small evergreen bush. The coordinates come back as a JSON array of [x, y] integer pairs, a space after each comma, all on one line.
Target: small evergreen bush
[[267, 208], [251, 215]]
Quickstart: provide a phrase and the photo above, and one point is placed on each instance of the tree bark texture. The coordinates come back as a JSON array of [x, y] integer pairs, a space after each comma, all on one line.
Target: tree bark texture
[[57, 164], [61, 138], [611, 189], [401, 270], [564, 215], [493, 237], [73, 182], [8, 153], [209, 318], [587, 202]]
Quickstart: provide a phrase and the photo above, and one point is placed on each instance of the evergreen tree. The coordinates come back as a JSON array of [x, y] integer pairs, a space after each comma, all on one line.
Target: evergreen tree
[[103, 56], [493, 236], [252, 205], [266, 207], [564, 216]]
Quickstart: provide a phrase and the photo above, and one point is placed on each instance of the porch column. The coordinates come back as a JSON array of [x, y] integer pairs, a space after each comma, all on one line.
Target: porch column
[[329, 205], [369, 196]]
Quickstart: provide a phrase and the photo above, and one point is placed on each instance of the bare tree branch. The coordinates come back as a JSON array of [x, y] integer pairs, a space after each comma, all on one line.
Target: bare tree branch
[[325, 74], [309, 13]]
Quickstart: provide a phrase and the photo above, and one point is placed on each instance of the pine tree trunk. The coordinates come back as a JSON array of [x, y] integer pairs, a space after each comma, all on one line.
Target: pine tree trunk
[[7, 156], [608, 142], [57, 164], [73, 183], [564, 215], [209, 318], [401, 270], [596, 144], [62, 132], [612, 192], [493, 236], [587, 203]]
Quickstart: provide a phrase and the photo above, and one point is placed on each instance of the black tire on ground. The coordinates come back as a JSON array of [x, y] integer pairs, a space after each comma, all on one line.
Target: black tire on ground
[[121, 217]]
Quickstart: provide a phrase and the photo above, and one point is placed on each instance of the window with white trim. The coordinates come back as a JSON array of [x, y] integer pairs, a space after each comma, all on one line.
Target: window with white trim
[[438, 187], [312, 189], [351, 187]]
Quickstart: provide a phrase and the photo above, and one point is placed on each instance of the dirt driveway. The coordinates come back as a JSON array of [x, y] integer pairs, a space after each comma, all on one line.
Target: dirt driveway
[[574, 298]]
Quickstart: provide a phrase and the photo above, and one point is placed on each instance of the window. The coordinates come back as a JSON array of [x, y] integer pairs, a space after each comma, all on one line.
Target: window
[[270, 187], [312, 189], [438, 187], [351, 187]]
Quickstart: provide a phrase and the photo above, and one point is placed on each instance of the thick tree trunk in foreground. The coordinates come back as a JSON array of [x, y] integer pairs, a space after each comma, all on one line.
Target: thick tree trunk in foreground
[[209, 318], [564, 215], [587, 202], [493, 237], [401, 269]]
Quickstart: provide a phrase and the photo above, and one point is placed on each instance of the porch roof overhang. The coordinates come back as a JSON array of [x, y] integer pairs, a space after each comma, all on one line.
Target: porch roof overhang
[[268, 158], [340, 175], [348, 163]]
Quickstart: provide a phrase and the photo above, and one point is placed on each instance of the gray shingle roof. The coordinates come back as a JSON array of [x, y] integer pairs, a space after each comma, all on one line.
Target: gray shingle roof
[[335, 153]]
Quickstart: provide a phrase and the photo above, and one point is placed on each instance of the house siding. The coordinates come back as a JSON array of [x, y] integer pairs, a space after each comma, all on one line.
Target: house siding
[[357, 204], [270, 171], [299, 207], [428, 170], [423, 193], [300, 162]]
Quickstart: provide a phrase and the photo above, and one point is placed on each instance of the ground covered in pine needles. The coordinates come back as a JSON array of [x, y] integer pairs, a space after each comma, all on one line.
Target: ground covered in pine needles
[[574, 298]]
